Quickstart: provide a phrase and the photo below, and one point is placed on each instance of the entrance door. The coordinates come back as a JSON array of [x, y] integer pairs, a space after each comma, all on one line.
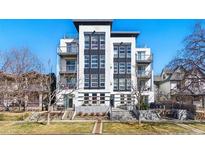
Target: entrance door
[[70, 104]]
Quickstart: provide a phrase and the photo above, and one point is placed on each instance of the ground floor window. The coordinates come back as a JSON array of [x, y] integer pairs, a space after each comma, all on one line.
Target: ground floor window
[[129, 98], [102, 98], [122, 99], [94, 98], [86, 98]]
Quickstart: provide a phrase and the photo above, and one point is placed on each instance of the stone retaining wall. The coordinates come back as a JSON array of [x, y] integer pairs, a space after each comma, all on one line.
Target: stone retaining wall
[[92, 109]]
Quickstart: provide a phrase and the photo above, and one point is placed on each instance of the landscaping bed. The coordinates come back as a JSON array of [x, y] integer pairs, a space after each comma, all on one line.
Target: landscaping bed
[[91, 116]]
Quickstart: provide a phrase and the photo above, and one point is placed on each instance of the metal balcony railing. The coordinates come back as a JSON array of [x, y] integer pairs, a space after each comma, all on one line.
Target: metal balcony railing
[[68, 50], [143, 74], [69, 69], [144, 58]]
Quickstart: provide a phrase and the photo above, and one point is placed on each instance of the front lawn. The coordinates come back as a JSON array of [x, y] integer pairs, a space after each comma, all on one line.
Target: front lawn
[[42, 128], [144, 128], [9, 116], [200, 126]]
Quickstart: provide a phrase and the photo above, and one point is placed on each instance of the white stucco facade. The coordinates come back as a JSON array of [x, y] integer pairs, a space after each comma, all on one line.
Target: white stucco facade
[[82, 94]]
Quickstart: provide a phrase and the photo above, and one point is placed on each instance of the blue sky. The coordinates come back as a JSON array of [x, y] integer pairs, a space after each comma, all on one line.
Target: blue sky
[[42, 37]]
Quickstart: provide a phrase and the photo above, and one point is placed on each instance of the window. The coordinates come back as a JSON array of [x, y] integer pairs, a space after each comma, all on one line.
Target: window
[[102, 61], [115, 68], [71, 65], [128, 84], [128, 67], [94, 80], [122, 52], [121, 68], [94, 98], [86, 98], [129, 98], [142, 84], [94, 61], [115, 84], [115, 51], [141, 70], [72, 47], [71, 82], [141, 55], [102, 41], [121, 84], [122, 99], [102, 98], [102, 80], [94, 42], [86, 80], [87, 61], [87, 42], [129, 51]]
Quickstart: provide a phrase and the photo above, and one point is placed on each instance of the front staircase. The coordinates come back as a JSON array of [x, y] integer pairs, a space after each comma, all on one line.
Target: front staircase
[[68, 114], [122, 115]]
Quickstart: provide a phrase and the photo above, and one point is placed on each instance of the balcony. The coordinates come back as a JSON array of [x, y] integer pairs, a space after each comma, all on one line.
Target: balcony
[[144, 59], [68, 69], [144, 74], [68, 50]]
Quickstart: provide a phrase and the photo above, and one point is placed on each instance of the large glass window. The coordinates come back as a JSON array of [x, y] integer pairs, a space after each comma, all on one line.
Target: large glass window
[[115, 84], [86, 80], [115, 51], [122, 52], [71, 82], [94, 61], [71, 65], [121, 68], [121, 84], [94, 80], [102, 61], [87, 61], [128, 84], [87, 42], [141, 70], [102, 41], [128, 67], [128, 51], [94, 41], [116, 68], [102, 80], [141, 55]]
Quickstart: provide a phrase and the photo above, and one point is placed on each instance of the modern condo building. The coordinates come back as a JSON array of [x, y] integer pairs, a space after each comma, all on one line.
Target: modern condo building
[[100, 64]]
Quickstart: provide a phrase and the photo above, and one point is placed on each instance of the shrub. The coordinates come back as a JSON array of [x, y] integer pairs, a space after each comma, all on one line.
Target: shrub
[[97, 114], [103, 114], [85, 114], [92, 114], [80, 113], [144, 106]]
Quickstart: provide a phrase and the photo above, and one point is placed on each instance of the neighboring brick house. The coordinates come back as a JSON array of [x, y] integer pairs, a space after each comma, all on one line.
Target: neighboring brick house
[[180, 87], [25, 92]]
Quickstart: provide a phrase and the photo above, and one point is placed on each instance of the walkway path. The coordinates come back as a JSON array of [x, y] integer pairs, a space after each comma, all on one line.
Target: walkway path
[[197, 131], [97, 129]]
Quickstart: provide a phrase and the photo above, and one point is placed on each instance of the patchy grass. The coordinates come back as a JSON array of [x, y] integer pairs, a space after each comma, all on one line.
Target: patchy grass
[[42, 128], [200, 126], [9, 116], [144, 128]]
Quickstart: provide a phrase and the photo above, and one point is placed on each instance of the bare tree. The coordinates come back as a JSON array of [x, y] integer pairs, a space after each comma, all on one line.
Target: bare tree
[[56, 94], [16, 63], [138, 93], [192, 59]]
